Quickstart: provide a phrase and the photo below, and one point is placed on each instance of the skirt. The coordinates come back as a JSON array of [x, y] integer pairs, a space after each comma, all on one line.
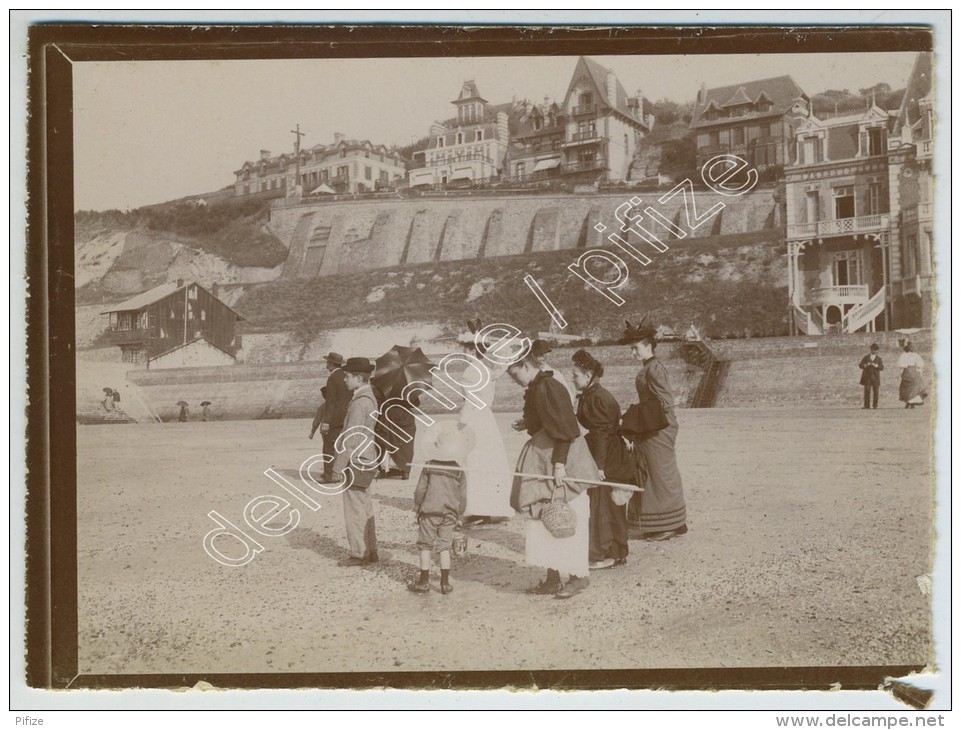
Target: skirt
[[660, 507], [565, 555], [912, 386]]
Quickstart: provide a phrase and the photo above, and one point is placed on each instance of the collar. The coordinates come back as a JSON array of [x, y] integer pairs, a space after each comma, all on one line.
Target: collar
[[645, 362], [364, 390], [542, 375]]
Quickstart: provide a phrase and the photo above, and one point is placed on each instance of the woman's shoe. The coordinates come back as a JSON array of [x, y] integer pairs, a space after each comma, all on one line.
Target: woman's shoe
[[446, 588], [660, 536], [602, 564], [573, 587], [549, 586]]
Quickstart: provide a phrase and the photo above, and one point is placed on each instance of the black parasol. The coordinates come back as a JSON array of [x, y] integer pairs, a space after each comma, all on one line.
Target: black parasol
[[400, 366]]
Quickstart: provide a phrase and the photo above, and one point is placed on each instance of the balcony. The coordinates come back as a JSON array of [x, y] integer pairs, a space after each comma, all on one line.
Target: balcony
[[584, 110], [924, 212], [598, 163], [582, 138], [840, 227], [840, 295], [126, 337]]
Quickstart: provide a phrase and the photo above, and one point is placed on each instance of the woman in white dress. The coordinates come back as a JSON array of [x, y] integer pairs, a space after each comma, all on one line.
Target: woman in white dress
[[911, 390], [489, 473]]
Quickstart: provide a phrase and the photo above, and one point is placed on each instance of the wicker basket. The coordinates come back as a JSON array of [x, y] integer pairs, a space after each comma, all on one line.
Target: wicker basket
[[559, 517]]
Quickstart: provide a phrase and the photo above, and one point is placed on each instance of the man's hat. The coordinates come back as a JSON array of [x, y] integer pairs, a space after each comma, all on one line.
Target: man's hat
[[539, 348], [637, 332], [450, 441], [359, 365], [335, 358], [875, 347]]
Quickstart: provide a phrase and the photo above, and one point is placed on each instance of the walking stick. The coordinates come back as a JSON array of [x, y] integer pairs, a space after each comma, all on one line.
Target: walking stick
[[589, 482]]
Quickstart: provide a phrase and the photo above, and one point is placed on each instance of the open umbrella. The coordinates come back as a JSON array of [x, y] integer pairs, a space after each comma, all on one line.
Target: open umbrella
[[399, 366], [108, 391], [205, 402], [182, 403]]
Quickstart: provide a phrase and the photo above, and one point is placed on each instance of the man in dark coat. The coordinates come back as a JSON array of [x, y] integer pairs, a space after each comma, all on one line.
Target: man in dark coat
[[336, 399], [871, 367]]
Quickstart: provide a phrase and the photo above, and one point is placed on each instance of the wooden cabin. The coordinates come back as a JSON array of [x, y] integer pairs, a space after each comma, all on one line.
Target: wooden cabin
[[175, 325]]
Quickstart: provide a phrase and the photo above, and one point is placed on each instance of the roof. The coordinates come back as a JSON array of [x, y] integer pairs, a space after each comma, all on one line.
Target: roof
[[146, 298], [598, 75], [467, 92], [163, 291], [321, 152], [919, 86], [780, 91]]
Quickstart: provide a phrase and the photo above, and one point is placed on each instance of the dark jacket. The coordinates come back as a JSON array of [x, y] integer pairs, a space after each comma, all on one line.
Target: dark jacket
[[871, 375], [336, 397], [441, 491]]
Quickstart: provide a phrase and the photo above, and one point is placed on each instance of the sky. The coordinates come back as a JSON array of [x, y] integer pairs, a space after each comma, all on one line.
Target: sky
[[150, 131]]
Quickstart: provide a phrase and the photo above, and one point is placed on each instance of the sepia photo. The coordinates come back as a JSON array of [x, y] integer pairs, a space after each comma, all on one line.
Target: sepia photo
[[462, 368]]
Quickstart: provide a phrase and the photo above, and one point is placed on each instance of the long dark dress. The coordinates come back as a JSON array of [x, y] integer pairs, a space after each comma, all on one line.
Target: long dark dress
[[599, 413], [401, 419], [661, 507]]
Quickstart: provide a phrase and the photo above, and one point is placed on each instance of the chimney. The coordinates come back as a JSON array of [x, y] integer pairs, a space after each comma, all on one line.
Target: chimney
[[180, 283], [265, 155], [215, 289], [339, 137], [437, 129], [611, 88], [702, 94]]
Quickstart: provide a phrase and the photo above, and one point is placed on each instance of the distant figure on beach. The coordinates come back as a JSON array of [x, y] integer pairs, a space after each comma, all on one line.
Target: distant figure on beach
[[184, 413], [911, 392], [871, 367], [205, 413], [109, 400]]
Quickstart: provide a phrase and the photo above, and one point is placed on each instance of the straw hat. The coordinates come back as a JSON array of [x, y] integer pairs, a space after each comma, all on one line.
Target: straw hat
[[450, 441]]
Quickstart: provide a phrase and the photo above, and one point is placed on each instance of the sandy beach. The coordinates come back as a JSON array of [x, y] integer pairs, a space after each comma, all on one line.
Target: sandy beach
[[808, 533]]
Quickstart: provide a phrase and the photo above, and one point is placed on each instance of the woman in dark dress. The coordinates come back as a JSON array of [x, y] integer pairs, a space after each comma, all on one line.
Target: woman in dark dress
[[599, 413], [660, 511]]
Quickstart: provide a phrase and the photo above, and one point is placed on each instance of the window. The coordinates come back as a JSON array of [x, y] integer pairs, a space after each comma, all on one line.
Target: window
[[521, 169], [703, 140], [203, 315], [775, 129], [460, 138], [912, 258], [874, 198], [479, 135], [812, 150], [844, 202], [875, 141], [440, 141], [586, 130], [738, 135], [368, 173], [813, 206], [724, 137], [846, 268]]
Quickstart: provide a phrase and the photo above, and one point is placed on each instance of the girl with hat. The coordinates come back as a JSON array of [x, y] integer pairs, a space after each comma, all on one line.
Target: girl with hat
[[556, 450], [660, 511], [439, 499], [599, 413]]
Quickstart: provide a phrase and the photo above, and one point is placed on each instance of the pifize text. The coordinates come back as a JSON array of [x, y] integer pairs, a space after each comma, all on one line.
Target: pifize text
[[27, 720]]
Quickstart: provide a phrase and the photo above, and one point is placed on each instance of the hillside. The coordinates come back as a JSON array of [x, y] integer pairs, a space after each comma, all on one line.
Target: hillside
[[730, 286]]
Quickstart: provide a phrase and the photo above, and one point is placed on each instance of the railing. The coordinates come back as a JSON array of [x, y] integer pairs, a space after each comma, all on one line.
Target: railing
[[126, 337], [846, 294], [584, 166], [925, 148], [805, 322], [584, 109], [817, 322], [840, 227], [863, 314], [537, 148], [582, 137]]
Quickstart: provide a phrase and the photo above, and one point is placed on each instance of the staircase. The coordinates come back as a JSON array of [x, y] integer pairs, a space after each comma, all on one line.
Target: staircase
[[712, 379], [91, 412]]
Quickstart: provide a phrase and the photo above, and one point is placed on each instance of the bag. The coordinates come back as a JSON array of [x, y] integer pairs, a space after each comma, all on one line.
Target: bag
[[559, 517]]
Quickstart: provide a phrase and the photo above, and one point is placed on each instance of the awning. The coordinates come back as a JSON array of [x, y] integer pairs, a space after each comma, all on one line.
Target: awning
[[548, 164], [323, 188], [462, 175]]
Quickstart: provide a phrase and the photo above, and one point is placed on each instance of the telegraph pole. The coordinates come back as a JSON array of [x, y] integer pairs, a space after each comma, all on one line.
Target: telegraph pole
[[297, 135]]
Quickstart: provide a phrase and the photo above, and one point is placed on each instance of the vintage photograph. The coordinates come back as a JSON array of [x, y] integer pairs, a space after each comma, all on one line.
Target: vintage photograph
[[506, 363]]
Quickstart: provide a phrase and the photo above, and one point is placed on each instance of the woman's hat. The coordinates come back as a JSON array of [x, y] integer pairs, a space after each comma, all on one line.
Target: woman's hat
[[637, 332], [539, 348], [450, 441], [359, 365], [585, 361], [335, 358]]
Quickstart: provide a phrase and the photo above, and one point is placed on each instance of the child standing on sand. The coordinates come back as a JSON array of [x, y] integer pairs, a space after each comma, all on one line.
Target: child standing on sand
[[440, 499]]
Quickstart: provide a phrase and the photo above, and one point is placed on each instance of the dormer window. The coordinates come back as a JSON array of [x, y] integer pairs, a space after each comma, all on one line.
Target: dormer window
[[876, 141], [479, 135], [460, 138]]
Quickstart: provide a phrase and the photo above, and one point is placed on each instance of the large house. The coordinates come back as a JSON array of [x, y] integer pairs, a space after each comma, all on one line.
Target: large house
[[346, 166], [858, 217], [602, 124], [468, 147], [755, 120], [174, 325]]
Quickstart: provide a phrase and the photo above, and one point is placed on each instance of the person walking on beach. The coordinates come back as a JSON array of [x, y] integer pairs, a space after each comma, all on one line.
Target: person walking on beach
[[871, 367], [556, 450], [358, 508], [439, 500], [599, 413], [332, 412], [911, 391], [660, 511]]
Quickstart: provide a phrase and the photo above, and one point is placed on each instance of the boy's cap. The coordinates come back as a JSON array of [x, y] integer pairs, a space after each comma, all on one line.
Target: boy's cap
[[450, 441]]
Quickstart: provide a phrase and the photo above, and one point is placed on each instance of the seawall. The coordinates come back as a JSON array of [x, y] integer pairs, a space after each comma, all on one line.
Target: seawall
[[325, 238]]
